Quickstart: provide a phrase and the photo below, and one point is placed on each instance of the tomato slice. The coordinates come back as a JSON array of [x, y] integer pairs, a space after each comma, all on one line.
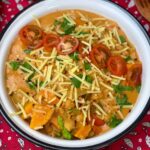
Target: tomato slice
[[117, 65], [134, 75], [99, 55], [67, 45], [97, 130], [50, 41], [98, 121], [80, 49], [31, 36]]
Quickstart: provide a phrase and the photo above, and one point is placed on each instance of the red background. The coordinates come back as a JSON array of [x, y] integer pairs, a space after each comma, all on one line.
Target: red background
[[138, 139]]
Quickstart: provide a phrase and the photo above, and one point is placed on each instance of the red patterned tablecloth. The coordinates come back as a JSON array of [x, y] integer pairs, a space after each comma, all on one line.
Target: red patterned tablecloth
[[138, 139]]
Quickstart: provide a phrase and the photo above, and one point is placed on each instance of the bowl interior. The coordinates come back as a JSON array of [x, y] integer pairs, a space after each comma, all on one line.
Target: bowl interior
[[132, 29]]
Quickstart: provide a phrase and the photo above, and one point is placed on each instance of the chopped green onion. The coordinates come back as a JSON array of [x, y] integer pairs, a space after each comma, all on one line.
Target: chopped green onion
[[114, 121], [27, 51], [87, 65], [14, 65], [65, 133], [122, 100], [120, 88], [75, 56], [60, 122], [76, 82], [122, 39]]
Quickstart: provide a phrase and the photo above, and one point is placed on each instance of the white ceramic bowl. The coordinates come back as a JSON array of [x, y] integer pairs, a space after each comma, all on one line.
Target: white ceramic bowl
[[135, 33]]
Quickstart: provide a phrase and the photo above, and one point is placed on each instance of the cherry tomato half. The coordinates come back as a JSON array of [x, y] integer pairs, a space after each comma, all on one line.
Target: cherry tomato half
[[117, 65], [31, 36], [134, 75], [67, 45], [99, 55], [98, 121], [50, 41]]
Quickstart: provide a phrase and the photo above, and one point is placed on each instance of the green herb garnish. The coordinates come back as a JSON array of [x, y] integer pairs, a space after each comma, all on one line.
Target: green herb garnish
[[138, 88], [87, 65], [82, 33], [114, 121], [88, 79], [27, 51], [56, 22], [128, 58], [122, 39], [76, 82], [27, 66], [41, 83], [66, 27], [120, 88], [31, 76], [122, 100], [14, 65], [75, 56], [31, 85], [65, 133]]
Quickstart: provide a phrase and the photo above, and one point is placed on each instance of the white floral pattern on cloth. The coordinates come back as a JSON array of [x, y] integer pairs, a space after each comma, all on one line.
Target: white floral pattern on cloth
[[138, 139]]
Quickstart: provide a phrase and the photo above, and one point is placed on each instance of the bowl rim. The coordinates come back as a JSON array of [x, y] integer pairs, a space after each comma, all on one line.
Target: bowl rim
[[103, 144]]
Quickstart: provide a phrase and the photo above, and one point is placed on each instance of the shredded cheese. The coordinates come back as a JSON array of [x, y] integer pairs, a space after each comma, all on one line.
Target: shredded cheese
[[84, 116], [76, 97], [15, 113], [106, 86], [120, 114], [128, 106], [27, 96], [81, 80], [120, 51], [61, 99], [36, 20], [99, 108], [25, 69], [22, 110], [101, 73], [37, 70], [93, 122], [117, 77]]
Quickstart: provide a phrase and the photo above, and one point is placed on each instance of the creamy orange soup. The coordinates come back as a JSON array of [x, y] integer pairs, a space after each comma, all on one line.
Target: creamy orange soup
[[73, 74]]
